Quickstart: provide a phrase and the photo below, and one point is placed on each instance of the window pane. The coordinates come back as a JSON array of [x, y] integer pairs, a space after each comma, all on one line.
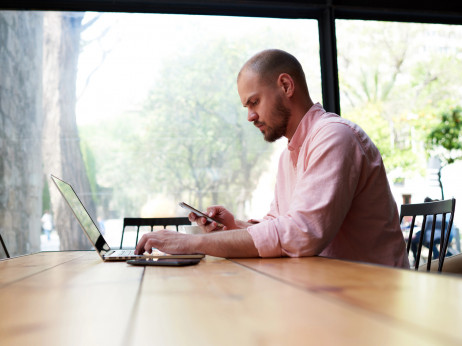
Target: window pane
[[396, 79], [138, 112]]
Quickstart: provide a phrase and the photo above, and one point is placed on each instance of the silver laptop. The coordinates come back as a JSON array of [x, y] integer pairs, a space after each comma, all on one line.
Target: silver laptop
[[94, 235]]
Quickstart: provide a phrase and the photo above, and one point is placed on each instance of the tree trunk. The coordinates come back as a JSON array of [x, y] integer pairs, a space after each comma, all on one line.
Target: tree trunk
[[20, 130], [61, 144]]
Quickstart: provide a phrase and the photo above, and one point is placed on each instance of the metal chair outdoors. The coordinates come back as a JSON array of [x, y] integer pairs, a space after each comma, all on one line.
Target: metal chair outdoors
[[4, 247], [433, 208], [151, 222]]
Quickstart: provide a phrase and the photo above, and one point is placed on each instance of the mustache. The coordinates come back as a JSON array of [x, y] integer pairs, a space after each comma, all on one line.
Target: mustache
[[258, 123]]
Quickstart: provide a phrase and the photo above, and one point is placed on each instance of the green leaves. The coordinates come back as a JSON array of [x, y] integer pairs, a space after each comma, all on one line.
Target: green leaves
[[200, 137], [445, 139]]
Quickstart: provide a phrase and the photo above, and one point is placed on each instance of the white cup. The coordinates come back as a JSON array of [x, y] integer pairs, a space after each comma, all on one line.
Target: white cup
[[190, 229]]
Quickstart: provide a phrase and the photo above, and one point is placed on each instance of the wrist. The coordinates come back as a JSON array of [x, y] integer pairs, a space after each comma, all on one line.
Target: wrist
[[198, 243], [242, 224]]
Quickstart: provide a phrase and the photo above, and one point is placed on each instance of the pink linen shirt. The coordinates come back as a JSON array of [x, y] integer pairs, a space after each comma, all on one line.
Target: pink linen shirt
[[332, 197]]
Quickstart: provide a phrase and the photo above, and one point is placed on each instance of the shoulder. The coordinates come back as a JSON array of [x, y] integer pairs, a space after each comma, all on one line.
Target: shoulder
[[339, 125], [335, 130], [341, 131]]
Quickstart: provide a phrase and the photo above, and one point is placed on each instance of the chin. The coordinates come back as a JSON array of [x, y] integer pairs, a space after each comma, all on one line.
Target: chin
[[270, 139]]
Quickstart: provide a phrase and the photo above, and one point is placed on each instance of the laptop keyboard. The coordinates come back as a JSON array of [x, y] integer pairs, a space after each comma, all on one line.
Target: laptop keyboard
[[123, 253]]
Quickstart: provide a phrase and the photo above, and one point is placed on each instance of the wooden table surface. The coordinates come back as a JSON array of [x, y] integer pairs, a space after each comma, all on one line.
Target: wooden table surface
[[73, 298]]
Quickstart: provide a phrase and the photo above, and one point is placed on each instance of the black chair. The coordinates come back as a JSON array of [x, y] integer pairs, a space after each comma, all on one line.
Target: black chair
[[4, 247], [151, 222], [433, 208]]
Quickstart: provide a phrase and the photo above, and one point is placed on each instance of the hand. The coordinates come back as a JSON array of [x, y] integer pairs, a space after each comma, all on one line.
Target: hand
[[220, 214], [170, 242]]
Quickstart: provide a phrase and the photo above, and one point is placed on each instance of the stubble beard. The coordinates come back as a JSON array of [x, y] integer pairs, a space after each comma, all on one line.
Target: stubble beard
[[281, 115]]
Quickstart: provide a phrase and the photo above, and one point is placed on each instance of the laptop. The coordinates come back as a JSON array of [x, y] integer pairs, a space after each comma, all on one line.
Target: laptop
[[94, 235]]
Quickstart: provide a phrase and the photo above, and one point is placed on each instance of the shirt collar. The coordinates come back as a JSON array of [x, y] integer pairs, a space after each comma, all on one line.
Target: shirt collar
[[303, 128]]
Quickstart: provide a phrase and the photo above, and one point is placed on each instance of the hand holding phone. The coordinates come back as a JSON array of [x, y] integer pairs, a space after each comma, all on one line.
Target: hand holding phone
[[199, 213]]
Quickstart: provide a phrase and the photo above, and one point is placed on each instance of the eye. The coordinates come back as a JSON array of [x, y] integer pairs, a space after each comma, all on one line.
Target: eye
[[254, 103]]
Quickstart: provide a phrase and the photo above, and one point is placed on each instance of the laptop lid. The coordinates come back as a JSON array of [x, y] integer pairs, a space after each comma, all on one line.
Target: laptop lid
[[84, 219]]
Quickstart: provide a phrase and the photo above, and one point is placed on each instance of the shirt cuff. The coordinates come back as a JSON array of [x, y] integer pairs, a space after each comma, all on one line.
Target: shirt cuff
[[265, 239]]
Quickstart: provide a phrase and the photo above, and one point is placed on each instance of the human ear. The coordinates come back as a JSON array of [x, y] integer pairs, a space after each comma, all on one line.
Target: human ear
[[287, 84]]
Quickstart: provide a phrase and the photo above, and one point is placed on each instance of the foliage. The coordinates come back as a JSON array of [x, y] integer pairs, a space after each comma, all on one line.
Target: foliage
[[445, 139], [119, 182], [189, 141], [199, 144], [393, 78]]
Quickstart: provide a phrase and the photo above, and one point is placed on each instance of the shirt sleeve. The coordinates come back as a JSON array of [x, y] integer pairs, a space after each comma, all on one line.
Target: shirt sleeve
[[328, 171], [273, 212]]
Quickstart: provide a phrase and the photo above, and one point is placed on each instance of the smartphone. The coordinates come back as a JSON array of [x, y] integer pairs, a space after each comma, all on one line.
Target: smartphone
[[171, 262], [199, 213]]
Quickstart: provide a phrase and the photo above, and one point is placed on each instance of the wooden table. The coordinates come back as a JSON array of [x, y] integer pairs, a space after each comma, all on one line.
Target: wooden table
[[73, 298]]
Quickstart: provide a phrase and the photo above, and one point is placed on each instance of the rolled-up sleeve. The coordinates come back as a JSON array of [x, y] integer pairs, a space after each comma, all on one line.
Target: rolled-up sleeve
[[266, 239]]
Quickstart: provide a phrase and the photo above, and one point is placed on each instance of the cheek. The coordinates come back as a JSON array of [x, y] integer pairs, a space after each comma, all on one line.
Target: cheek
[[262, 111], [268, 115]]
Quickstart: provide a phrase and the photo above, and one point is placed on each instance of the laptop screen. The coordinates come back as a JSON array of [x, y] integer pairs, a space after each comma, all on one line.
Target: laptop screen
[[87, 224]]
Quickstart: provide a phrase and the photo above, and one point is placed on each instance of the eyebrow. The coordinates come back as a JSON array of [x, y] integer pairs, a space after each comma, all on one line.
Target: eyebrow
[[248, 101]]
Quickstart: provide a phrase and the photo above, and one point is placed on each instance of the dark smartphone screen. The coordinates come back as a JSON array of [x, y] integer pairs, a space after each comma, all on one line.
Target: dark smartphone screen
[[173, 262]]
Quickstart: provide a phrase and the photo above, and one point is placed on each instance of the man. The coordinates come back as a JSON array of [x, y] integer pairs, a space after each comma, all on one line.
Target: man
[[332, 196], [47, 224], [428, 232]]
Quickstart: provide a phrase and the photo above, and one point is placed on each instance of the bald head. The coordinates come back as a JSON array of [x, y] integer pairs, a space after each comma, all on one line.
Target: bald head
[[270, 63]]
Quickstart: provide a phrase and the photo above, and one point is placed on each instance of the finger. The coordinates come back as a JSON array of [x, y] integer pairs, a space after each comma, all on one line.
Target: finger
[[140, 246], [210, 227], [211, 211], [192, 217], [149, 245]]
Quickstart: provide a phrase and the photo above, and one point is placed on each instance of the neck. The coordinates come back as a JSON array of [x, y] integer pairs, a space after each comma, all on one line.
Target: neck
[[298, 111]]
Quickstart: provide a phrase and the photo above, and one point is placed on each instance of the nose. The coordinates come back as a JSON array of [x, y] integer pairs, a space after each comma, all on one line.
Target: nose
[[252, 115]]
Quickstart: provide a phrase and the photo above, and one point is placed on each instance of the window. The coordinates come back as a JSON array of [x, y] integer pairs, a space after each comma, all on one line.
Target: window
[[396, 79], [138, 112]]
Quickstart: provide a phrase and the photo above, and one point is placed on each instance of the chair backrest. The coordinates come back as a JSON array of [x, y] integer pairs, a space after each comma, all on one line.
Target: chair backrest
[[434, 209], [4, 247], [151, 222]]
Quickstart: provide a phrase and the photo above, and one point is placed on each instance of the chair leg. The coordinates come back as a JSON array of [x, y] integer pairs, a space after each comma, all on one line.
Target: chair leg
[[4, 247], [137, 234], [419, 250], [122, 238]]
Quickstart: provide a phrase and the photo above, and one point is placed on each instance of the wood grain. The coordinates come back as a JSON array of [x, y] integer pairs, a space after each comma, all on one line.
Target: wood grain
[[81, 301], [73, 298], [21, 267], [221, 303], [426, 303]]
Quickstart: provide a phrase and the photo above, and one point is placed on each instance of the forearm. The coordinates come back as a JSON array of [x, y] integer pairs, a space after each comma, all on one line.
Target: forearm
[[242, 224], [233, 243]]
